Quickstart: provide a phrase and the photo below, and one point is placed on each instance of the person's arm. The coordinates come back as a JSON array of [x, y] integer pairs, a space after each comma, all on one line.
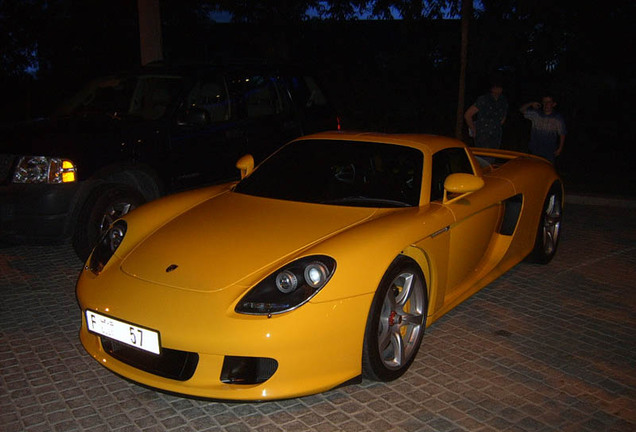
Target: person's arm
[[534, 105], [468, 116], [561, 142]]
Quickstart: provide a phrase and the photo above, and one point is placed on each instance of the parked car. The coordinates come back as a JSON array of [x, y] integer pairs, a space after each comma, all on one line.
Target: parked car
[[124, 140], [323, 264]]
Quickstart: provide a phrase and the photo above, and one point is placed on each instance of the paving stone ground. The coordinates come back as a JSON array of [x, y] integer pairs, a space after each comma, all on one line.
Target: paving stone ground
[[543, 348]]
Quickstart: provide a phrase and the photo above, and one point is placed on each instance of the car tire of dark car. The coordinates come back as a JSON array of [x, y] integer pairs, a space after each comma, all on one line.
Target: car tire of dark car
[[105, 204], [549, 230], [396, 322]]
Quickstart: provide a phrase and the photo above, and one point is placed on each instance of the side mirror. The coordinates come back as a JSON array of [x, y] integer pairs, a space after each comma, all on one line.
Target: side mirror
[[462, 184], [246, 165]]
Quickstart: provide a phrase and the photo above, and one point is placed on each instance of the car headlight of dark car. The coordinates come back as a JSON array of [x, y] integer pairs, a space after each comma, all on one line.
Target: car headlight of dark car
[[106, 247], [42, 169], [289, 287]]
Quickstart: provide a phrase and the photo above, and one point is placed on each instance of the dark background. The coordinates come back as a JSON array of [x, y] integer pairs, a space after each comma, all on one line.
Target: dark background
[[387, 75]]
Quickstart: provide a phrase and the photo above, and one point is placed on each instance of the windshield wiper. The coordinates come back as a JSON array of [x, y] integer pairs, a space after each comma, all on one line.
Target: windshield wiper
[[369, 201]]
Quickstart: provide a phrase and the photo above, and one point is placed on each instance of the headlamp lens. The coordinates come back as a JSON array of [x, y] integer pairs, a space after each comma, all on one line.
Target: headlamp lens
[[286, 281], [107, 246], [316, 274], [288, 288], [42, 169]]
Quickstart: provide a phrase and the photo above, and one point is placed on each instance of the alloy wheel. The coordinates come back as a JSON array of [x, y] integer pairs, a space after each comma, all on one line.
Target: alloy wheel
[[401, 320]]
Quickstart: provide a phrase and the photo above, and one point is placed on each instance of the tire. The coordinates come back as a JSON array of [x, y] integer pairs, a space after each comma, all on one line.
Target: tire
[[105, 205], [396, 322], [549, 230]]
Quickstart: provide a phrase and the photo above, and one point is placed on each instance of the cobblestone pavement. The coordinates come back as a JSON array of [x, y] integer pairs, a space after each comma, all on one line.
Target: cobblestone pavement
[[543, 348]]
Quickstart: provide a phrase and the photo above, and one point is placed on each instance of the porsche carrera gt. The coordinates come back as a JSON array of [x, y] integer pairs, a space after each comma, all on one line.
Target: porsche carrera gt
[[323, 264]]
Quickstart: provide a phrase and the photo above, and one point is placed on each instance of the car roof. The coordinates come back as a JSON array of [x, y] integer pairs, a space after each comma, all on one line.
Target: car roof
[[428, 144], [220, 65]]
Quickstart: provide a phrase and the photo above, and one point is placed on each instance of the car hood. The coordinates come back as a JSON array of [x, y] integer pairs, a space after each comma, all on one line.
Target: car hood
[[55, 136], [233, 238], [89, 141]]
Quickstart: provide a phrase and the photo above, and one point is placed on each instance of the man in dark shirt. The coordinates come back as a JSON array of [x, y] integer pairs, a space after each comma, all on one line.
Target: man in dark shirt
[[491, 110]]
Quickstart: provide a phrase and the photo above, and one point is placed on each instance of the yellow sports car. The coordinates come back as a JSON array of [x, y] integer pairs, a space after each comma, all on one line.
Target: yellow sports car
[[323, 264]]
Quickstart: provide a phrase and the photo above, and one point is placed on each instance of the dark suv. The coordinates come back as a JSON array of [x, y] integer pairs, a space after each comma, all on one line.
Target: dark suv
[[127, 139]]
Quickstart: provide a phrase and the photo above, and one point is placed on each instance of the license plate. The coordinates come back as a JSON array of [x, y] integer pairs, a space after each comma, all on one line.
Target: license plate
[[129, 334]]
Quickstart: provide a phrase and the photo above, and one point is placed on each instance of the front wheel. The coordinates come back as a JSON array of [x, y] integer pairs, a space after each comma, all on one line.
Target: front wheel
[[105, 205], [549, 230], [396, 322]]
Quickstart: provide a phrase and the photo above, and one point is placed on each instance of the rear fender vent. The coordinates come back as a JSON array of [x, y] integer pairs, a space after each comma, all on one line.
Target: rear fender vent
[[512, 210]]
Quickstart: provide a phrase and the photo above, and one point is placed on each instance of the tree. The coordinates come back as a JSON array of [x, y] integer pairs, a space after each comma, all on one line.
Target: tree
[[467, 12], [19, 22]]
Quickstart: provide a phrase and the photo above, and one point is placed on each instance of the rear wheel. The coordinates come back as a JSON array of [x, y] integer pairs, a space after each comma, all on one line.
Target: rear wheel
[[396, 322], [104, 206], [549, 230]]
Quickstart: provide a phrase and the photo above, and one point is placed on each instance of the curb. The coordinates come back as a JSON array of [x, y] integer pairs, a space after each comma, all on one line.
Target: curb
[[600, 201]]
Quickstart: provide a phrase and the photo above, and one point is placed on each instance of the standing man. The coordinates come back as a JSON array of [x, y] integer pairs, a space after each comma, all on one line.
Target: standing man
[[547, 135], [492, 108]]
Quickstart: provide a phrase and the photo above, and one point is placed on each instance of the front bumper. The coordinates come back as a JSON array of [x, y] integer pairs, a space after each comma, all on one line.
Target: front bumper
[[316, 347], [37, 212]]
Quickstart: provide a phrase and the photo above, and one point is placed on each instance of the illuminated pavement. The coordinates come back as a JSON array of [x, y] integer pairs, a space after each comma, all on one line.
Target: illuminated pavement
[[544, 348]]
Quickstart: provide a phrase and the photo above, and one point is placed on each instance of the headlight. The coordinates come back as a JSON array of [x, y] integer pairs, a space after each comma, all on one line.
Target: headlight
[[289, 287], [286, 281], [316, 274], [107, 246], [42, 169]]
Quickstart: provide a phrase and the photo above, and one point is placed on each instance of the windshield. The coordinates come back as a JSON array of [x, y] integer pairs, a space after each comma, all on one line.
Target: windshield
[[348, 173], [145, 96]]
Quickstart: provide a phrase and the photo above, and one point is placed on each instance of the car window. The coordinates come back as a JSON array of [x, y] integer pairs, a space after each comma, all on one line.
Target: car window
[[257, 95], [340, 173], [104, 95], [153, 95], [210, 95], [145, 96], [446, 162], [285, 95]]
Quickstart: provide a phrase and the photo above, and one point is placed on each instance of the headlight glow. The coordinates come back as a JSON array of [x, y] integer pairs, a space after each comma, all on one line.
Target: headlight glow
[[316, 274], [106, 247], [289, 287], [43, 169]]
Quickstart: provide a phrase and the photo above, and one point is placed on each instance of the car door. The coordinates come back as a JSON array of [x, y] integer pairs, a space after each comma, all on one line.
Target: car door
[[476, 220], [207, 139]]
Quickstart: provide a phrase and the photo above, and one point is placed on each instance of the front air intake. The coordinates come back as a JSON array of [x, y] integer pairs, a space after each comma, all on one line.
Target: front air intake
[[247, 370]]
